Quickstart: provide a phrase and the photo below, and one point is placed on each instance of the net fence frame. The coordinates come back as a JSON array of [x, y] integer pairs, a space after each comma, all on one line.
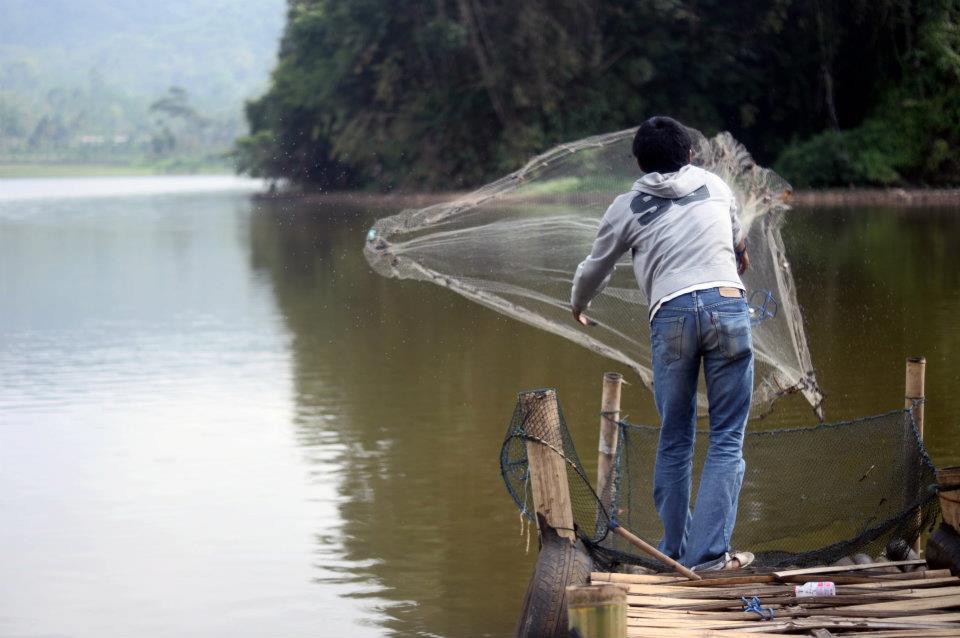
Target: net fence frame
[[592, 520]]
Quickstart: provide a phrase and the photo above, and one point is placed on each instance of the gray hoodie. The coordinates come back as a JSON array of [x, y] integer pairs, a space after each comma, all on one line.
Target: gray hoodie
[[681, 229]]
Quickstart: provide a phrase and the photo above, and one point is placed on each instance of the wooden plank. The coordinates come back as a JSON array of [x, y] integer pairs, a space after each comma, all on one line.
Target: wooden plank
[[836, 579], [684, 623], [668, 601], [929, 593], [845, 612], [665, 632], [849, 579], [932, 573], [809, 602], [903, 584], [903, 633], [952, 616], [653, 612], [607, 577], [847, 624], [845, 594], [847, 568], [943, 602], [677, 581], [796, 624], [713, 592], [728, 580], [929, 574]]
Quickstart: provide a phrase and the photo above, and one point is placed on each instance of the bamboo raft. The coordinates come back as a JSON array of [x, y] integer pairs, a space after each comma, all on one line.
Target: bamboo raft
[[875, 599], [890, 599]]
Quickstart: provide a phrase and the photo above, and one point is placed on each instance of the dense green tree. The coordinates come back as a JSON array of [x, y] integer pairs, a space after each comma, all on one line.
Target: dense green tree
[[911, 132], [446, 93]]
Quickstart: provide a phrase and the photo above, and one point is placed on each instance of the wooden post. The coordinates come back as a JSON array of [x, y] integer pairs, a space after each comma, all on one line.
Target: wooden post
[[913, 398], [548, 469], [609, 433], [916, 373], [597, 611]]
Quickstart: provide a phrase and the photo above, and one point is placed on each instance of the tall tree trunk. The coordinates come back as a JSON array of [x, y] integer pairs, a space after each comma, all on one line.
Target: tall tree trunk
[[827, 48], [488, 74]]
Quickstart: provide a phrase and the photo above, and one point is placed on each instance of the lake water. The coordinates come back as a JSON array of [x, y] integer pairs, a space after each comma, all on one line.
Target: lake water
[[215, 420]]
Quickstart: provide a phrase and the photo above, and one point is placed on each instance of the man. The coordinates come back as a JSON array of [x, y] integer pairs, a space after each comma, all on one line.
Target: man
[[680, 224]]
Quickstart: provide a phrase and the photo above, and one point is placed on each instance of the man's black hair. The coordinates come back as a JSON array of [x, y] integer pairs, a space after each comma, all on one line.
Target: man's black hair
[[662, 145]]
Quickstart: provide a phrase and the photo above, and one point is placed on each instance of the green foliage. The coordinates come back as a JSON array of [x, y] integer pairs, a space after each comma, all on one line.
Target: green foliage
[[447, 93], [912, 136]]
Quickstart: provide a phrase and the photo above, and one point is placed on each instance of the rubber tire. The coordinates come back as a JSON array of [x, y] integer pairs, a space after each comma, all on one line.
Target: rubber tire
[[943, 549], [559, 564]]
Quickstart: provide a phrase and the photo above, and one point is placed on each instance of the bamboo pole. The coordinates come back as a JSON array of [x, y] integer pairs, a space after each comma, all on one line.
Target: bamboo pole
[[915, 389], [914, 396], [835, 569], [597, 611], [609, 433], [649, 549], [548, 467]]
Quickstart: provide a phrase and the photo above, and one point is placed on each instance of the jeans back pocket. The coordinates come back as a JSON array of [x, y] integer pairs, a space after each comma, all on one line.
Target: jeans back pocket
[[667, 337], [733, 332]]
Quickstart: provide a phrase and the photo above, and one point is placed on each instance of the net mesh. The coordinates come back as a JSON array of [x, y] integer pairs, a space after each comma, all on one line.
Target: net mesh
[[514, 245], [811, 495]]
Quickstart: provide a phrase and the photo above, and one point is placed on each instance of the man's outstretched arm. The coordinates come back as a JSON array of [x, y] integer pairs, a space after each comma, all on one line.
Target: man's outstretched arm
[[595, 271]]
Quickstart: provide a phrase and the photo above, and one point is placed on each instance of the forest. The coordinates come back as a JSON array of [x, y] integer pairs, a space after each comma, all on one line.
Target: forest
[[445, 94], [124, 81]]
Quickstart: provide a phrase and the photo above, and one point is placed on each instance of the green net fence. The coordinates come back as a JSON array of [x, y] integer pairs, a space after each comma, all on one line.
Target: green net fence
[[811, 495]]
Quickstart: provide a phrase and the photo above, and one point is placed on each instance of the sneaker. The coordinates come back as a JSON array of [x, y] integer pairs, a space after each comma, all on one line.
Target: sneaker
[[738, 560], [726, 562]]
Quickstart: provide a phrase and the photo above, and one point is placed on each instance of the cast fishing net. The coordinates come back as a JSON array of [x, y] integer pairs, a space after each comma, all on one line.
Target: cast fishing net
[[513, 246]]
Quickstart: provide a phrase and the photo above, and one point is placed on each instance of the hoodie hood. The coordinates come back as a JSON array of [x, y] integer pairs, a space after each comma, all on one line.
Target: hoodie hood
[[672, 185]]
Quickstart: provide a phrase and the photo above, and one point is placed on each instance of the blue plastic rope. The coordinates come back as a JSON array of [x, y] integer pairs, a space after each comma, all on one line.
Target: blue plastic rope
[[754, 605], [766, 308]]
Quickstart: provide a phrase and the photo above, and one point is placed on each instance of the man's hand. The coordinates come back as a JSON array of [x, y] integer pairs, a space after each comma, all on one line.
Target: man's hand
[[580, 318], [743, 258]]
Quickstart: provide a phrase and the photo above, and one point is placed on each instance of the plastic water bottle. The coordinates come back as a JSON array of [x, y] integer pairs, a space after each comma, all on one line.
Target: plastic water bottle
[[817, 588]]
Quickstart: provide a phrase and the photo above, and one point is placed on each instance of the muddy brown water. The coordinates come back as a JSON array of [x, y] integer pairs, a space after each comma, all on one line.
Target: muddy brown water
[[216, 420]]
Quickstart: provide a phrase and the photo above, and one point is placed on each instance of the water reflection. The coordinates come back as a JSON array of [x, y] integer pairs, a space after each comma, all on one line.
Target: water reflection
[[422, 382], [150, 483], [878, 285], [409, 385], [216, 419]]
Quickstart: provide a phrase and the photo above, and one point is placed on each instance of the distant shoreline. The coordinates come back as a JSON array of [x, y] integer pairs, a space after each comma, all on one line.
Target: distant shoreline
[[897, 197], [808, 198], [901, 197], [10, 170]]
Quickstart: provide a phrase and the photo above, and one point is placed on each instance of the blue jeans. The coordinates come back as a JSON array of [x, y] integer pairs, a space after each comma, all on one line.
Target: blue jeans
[[701, 324]]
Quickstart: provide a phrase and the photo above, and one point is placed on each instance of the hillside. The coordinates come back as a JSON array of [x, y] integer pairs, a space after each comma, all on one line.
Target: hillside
[[77, 79]]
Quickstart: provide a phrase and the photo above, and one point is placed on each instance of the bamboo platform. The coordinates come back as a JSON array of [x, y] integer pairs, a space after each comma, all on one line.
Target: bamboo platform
[[876, 600]]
